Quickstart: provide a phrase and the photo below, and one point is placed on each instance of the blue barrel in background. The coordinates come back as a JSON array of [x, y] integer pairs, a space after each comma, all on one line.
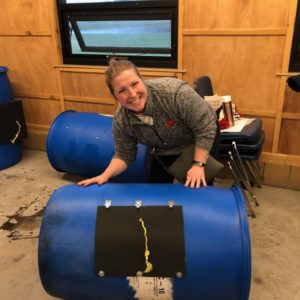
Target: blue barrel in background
[[6, 94], [216, 234], [82, 143], [10, 154]]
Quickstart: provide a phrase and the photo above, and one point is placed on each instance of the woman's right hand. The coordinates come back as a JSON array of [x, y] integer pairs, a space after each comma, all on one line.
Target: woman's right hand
[[98, 180], [115, 167]]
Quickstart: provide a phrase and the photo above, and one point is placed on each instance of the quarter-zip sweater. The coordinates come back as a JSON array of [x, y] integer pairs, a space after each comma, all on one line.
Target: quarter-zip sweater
[[180, 117]]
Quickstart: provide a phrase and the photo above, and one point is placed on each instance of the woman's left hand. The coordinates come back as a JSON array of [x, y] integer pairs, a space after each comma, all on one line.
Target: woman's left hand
[[195, 177]]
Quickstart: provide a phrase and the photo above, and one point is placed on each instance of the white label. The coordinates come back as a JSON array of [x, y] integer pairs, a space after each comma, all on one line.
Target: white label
[[152, 288]]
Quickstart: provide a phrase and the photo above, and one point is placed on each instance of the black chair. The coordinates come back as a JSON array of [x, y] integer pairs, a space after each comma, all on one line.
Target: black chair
[[236, 148], [203, 86], [242, 150], [248, 143], [294, 83]]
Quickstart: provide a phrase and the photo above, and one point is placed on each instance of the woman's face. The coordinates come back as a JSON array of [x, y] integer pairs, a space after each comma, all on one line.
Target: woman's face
[[130, 90]]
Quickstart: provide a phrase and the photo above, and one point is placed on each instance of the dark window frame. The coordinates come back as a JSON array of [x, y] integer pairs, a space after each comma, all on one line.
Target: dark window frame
[[295, 51], [132, 10]]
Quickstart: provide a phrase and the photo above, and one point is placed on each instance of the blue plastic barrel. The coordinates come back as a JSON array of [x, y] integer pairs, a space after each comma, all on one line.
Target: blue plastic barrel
[[216, 234], [82, 143], [10, 154], [6, 94]]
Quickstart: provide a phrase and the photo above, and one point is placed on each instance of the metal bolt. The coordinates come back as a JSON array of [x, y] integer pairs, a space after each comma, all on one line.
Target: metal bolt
[[107, 203], [101, 273], [171, 204], [138, 203], [139, 273], [179, 275]]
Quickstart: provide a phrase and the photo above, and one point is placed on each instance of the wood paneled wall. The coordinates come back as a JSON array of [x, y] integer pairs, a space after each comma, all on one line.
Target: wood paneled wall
[[27, 48], [243, 45]]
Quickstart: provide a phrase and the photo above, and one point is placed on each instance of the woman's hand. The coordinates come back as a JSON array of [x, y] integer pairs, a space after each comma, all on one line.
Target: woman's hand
[[98, 180], [195, 177], [115, 167]]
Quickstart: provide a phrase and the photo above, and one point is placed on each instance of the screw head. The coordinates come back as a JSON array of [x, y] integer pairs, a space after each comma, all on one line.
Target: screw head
[[139, 273]]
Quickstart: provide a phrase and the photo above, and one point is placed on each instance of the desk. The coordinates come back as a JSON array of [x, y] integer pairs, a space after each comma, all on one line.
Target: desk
[[250, 134]]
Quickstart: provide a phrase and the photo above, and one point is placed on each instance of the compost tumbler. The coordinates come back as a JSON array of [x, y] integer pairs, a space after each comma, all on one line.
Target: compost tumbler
[[10, 153], [82, 143], [216, 241]]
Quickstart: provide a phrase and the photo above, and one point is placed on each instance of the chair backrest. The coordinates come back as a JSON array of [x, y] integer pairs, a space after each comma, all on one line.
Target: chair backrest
[[203, 86]]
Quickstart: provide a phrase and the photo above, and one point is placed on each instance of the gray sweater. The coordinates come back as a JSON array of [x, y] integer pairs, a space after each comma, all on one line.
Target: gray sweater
[[181, 117]]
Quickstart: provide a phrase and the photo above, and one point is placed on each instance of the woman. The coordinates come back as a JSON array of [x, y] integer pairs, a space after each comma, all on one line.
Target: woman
[[166, 114]]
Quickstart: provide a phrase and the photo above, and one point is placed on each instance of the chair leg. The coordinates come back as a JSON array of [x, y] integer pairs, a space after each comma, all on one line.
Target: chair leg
[[244, 172], [235, 178], [256, 177], [244, 176], [240, 177], [259, 169]]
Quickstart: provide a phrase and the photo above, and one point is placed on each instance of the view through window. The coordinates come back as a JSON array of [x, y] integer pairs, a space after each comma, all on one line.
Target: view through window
[[143, 31]]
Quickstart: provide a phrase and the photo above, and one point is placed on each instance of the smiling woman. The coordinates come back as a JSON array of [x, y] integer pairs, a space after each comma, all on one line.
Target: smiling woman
[[145, 31], [166, 115], [130, 91]]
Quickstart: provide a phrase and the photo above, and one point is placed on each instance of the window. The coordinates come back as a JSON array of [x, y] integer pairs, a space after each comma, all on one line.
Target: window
[[143, 31], [295, 53]]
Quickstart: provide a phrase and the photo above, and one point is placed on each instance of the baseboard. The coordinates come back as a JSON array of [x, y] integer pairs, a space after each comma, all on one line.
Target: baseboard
[[284, 176]]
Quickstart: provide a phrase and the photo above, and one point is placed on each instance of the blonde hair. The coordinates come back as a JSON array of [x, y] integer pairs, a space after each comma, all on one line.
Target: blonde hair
[[115, 67]]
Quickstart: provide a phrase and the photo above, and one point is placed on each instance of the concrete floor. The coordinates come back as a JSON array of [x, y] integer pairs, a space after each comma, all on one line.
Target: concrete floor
[[26, 187]]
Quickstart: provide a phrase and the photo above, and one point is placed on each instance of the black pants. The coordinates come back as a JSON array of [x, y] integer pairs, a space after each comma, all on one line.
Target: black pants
[[158, 174]]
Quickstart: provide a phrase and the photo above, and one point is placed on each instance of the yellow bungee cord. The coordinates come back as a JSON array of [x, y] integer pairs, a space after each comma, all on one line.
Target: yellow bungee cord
[[149, 266], [17, 134]]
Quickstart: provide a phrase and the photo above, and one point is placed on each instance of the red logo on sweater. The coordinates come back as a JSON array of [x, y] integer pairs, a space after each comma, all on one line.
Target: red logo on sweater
[[170, 123]]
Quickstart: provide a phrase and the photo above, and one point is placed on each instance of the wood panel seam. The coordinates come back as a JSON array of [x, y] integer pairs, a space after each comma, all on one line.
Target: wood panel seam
[[37, 126], [26, 33], [37, 96], [280, 159], [89, 100], [291, 116], [233, 32]]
